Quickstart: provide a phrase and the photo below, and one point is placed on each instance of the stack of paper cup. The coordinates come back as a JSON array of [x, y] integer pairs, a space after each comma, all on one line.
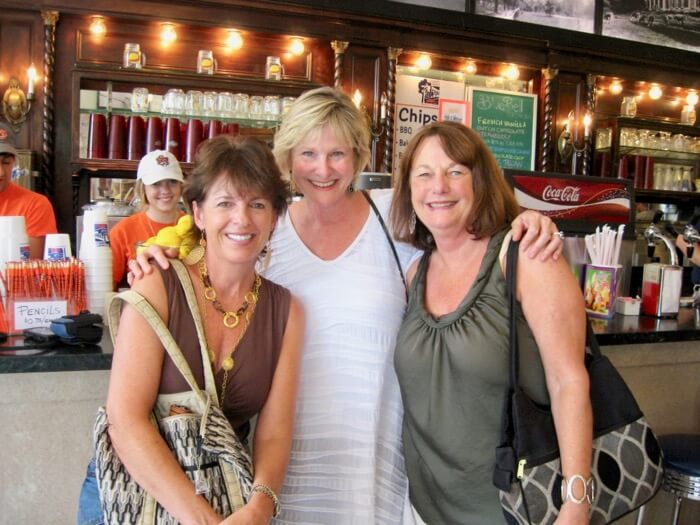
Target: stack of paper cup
[[97, 257], [14, 244], [57, 247]]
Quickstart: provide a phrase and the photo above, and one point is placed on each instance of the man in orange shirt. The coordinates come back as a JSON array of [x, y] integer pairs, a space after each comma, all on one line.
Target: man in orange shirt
[[15, 200]]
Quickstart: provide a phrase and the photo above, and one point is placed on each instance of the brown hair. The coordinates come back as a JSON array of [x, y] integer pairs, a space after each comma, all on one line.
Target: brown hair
[[246, 162], [494, 202]]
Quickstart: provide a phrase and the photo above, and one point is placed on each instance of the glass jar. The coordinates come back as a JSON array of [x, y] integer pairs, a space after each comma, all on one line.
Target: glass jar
[[210, 100], [193, 103], [628, 107], [133, 56], [688, 115], [273, 68], [271, 107], [139, 100], [255, 108]]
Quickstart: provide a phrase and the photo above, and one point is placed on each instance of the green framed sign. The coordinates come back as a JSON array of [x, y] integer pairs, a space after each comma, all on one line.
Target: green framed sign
[[507, 121]]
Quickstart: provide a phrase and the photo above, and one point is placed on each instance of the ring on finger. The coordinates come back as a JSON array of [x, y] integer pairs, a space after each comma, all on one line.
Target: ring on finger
[[559, 234]]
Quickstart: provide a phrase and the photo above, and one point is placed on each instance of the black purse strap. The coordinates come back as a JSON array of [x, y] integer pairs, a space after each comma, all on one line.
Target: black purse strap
[[511, 262], [388, 238]]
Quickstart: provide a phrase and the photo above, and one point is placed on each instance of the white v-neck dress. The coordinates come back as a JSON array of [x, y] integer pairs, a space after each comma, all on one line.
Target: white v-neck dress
[[346, 464]]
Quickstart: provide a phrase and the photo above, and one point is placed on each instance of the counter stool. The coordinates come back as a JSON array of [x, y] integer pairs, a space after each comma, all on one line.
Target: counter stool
[[681, 470]]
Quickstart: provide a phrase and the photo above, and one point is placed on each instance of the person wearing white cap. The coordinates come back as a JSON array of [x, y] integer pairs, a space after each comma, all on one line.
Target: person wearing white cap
[[159, 188], [36, 209]]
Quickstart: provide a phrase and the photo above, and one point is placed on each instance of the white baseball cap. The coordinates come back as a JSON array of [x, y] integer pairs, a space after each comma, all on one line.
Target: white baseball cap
[[7, 149], [159, 165]]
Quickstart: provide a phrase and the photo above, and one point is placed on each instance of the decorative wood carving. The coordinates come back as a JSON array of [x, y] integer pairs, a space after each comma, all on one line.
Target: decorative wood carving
[[546, 147], [339, 48], [393, 55], [47, 135]]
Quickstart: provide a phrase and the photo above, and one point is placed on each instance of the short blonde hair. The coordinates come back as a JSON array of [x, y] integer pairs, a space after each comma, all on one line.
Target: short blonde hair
[[314, 109]]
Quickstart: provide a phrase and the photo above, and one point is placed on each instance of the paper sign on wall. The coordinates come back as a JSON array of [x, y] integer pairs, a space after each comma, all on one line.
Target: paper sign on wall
[[417, 104]]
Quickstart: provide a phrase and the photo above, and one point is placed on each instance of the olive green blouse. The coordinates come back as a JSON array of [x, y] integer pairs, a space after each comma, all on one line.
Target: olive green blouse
[[453, 373]]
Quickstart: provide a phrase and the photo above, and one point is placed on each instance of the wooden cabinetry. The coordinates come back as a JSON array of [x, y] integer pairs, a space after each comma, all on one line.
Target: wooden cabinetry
[[662, 158], [94, 66]]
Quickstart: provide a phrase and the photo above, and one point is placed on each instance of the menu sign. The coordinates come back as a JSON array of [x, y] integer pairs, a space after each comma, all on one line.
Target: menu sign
[[577, 204], [506, 120]]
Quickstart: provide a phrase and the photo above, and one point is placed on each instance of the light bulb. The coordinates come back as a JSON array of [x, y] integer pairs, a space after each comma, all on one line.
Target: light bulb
[[234, 40], [470, 68], [296, 47], [357, 98], [424, 61], [692, 98], [97, 26], [168, 34], [511, 72], [655, 92], [615, 87]]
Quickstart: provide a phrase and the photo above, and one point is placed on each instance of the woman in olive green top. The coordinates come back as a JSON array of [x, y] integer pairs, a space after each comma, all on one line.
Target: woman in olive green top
[[452, 351]]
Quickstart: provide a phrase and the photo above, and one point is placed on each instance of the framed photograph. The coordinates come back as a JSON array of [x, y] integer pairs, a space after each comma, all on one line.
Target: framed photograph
[[654, 22], [576, 15], [453, 111]]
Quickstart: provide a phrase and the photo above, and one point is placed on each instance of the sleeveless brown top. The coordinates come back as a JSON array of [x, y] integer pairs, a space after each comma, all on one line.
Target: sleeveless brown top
[[256, 357]]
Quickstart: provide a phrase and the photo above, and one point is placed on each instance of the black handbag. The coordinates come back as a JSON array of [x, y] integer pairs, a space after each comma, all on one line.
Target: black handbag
[[627, 460]]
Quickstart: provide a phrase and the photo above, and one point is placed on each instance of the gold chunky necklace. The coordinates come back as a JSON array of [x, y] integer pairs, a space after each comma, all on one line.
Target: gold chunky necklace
[[251, 298], [231, 319]]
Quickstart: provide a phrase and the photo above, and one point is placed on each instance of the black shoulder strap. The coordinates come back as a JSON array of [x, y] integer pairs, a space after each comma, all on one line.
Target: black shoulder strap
[[511, 268], [388, 238]]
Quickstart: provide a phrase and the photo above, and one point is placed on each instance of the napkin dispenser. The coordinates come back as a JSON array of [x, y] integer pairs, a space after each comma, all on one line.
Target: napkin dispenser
[[661, 289]]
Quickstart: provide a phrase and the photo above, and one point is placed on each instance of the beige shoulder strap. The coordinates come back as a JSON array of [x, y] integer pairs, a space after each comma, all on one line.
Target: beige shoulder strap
[[184, 277], [504, 250], [145, 308]]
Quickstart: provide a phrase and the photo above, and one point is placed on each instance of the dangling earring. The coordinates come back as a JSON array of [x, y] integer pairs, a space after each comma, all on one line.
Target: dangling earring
[[412, 222], [197, 253], [267, 255]]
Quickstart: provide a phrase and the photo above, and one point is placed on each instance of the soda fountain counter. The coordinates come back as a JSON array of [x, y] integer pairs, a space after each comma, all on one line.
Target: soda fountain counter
[[51, 395]]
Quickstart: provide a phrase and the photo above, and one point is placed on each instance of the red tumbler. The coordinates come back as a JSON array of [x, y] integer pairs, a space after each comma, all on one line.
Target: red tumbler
[[136, 143], [195, 134], [97, 137], [215, 128], [154, 134], [172, 136], [117, 137]]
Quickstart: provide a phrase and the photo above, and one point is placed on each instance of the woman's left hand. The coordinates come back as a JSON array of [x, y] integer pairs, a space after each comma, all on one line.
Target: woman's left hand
[[538, 235], [247, 515], [573, 514]]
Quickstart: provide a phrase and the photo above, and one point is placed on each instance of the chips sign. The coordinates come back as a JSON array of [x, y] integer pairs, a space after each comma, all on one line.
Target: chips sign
[[506, 120]]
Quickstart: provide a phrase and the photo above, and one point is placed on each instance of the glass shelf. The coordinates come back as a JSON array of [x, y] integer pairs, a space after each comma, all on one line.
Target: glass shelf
[[242, 122], [658, 153]]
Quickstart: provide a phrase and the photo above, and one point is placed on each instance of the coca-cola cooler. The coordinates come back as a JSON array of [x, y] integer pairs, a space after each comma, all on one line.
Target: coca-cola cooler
[[578, 205]]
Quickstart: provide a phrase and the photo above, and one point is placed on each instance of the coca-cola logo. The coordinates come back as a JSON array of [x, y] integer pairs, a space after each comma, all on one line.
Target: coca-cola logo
[[566, 194]]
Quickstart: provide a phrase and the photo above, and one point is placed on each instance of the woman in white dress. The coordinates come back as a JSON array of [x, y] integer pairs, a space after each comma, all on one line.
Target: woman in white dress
[[346, 464]]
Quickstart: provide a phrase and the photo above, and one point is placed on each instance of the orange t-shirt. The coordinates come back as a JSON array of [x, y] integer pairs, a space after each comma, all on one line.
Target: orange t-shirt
[[124, 236], [36, 209]]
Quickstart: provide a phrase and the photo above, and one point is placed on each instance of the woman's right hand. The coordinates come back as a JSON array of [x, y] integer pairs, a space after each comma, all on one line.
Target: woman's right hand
[[142, 265]]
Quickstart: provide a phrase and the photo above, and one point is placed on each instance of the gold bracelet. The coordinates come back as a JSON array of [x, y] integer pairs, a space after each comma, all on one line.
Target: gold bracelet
[[264, 489], [567, 489]]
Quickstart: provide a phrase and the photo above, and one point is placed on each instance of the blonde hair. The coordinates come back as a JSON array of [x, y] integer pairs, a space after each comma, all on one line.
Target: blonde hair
[[315, 109], [140, 192]]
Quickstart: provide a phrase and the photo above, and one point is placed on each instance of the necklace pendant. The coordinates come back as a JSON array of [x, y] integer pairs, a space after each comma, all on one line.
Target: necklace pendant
[[227, 364], [231, 320], [211, 356]]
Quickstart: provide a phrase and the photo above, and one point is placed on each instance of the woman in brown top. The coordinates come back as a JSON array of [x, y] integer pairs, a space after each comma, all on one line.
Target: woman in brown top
[[235, 194]]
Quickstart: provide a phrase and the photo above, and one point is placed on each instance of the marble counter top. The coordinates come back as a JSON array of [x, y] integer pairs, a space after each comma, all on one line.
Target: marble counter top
[[16, 356], [637, 329]]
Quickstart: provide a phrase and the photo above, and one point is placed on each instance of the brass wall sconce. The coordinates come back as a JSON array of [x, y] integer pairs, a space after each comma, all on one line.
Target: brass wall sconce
[[377, 127], [566, 143], [15, 103]]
